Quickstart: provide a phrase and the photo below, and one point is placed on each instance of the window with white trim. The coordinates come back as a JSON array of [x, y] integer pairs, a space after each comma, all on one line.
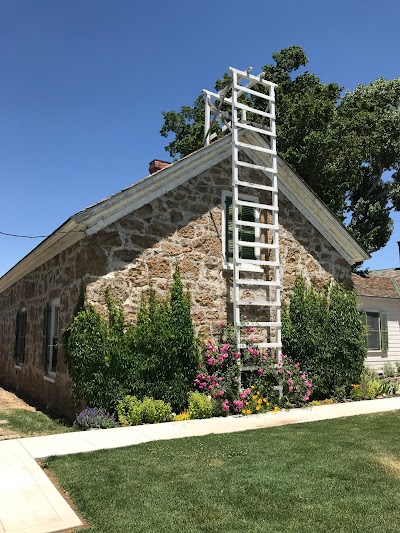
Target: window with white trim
[[51, 326], [20, 334], [377, 337], [246, 233]]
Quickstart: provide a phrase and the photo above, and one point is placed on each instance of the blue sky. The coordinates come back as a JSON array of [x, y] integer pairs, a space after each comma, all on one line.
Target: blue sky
[[84, 83]]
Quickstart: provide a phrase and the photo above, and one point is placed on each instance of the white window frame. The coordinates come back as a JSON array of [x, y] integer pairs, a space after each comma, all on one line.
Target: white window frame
[[257, 251], [55, 305]]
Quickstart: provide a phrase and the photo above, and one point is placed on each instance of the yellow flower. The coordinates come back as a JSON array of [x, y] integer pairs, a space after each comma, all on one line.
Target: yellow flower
[[254, 397], [258, 407], [253, 387], [246, 403], [276, 409], [259, 401], [258, 393]]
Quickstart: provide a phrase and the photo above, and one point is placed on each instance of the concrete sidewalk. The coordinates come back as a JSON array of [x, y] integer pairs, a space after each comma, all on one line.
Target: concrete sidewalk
[[29, 503]]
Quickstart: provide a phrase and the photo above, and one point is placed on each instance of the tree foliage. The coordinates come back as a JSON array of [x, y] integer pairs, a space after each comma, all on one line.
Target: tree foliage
[[323, 331], [345, 146]]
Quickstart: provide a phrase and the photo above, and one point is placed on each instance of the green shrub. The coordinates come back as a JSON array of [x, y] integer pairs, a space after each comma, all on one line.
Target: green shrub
[[132, 412], [155, 411], [389, 370], [129, 411], [322, 330], [368, 388], [200, 406], [165, 346], [108, 359]]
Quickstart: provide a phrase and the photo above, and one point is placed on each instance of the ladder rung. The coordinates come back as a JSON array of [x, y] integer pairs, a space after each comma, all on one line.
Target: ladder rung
[[255, 282], [255, 93], [254, 128], [255, 186], [245, 74], [256, 148], [256, 167], [253, 110], [258, 303], [264, 345], [257, 262], [257, 225], [257, 205], [260, 324], [251, 244]]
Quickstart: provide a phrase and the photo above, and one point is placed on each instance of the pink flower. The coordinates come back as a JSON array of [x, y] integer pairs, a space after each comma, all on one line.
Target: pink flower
[[210, 387], [238, 403], [260, 371], [290, 381], [306, 398], [220, 358], [220, 379], [290, 388], [210, 361], [225, 405], [264, 357], [280, 371], [222, 324]]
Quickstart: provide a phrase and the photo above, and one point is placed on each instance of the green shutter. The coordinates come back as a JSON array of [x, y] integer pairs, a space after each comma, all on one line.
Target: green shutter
[[247, 233], [363, 316], [228, 229], [384, 332], [46, 336]]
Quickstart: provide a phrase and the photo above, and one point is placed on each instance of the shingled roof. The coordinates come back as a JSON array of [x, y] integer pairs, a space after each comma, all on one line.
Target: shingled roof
[[376, 286]]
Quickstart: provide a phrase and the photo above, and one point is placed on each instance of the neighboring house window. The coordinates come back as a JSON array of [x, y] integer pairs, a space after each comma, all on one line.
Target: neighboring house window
[[377, 334], [20, 332], [246, 233], [51, 324]]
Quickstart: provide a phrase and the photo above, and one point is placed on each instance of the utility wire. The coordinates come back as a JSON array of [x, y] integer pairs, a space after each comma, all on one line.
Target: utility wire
[[38, 236]]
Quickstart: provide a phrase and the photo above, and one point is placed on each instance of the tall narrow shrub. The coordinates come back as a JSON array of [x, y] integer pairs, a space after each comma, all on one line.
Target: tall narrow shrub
[[322, 331], [165, 346]]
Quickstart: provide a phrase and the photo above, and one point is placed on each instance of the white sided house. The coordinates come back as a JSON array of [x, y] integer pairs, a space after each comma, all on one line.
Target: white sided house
[[378, 297]]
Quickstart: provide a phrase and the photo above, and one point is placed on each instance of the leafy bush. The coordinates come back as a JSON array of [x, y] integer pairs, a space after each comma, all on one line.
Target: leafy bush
[[155, 411], [132, 412], [94, 418], [166, 347], [389, 370], [181, 416], [369, 387], [108, 360], [129, 411], [100, 366], [200, 406], [322, 330]]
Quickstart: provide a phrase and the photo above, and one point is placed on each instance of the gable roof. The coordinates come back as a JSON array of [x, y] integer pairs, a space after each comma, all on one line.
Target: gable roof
[[375, 286], [100, 215]]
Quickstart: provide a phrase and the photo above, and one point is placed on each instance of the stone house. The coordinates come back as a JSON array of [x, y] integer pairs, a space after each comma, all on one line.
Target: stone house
[[378, 298], [178, 213]]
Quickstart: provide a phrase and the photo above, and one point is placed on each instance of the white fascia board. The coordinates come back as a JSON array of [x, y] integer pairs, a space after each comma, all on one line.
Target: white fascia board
[[67, 235], [316, 212]]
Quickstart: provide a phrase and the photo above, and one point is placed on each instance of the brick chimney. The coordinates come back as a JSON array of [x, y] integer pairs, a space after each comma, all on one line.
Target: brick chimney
[[157, 165]]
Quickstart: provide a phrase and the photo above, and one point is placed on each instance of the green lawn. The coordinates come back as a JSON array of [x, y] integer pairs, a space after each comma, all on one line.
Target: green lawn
[[334, 476], [29, 423]]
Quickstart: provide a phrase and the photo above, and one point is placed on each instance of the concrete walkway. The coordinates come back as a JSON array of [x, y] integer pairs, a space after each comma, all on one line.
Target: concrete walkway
[[29, 502]]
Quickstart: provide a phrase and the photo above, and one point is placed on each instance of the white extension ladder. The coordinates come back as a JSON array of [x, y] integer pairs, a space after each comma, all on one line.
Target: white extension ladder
[[249, 275]]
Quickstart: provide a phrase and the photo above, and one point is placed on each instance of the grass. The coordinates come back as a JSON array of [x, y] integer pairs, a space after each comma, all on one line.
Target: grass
[[30, 423], [341, 475]]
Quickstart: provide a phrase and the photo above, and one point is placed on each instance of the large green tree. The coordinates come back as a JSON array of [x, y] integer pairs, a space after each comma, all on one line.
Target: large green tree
[[345, 146]]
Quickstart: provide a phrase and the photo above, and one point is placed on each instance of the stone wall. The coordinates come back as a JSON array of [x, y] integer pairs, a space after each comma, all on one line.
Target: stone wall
[[185, 226]]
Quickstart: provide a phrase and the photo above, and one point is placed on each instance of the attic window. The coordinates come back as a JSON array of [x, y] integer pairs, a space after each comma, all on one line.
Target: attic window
[[246, 233]]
